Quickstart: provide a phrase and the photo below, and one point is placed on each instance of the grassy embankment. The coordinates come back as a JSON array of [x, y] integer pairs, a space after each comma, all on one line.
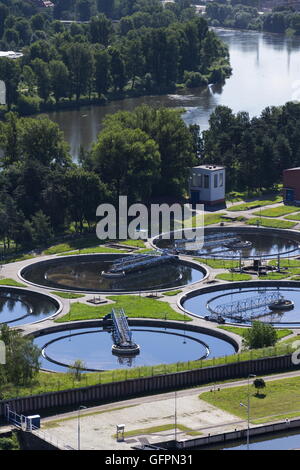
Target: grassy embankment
[[49, 382], [278, 400]]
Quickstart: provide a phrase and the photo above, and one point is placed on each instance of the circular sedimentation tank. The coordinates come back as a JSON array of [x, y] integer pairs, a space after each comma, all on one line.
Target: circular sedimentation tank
[[83, 273], [20, 306], [233, 242], [276, 302], [93, 346]]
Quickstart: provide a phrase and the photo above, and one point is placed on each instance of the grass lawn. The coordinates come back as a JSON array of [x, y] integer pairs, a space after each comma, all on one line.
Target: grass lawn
[[270, 222], [157, 429], [286, 263], [18, 258], [279, 397], [258, 203], [96, 249], [172, 292], [277, 211], [275, 276], [294, 216], [234, 277], [68, 295], [241, 331], [136, 243], [209, 219], [218, 263], [134, 306], [11, 282]]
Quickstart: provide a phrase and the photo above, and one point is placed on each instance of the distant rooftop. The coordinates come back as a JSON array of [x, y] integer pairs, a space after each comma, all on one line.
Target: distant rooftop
[[210, 167], [11, 54]]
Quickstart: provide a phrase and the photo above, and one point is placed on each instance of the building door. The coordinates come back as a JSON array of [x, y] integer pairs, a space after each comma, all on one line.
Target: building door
[[289, 195], [195, 197]]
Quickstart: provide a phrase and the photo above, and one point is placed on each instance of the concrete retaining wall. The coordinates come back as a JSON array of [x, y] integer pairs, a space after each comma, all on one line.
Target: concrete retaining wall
[[241, 434]]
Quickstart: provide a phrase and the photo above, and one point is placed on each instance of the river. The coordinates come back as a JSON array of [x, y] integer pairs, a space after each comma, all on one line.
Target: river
[[266, 72]]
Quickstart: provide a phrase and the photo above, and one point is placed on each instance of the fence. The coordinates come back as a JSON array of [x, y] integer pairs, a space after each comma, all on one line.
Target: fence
[[115, 391]]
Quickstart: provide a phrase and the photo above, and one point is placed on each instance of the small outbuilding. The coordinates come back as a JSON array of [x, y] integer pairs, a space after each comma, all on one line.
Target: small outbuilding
[[291, 186], [207, 185]]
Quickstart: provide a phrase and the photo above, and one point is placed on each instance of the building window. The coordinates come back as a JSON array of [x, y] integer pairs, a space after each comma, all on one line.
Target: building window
[[216, 180], [200, 181], [206, 181], [221, 179]]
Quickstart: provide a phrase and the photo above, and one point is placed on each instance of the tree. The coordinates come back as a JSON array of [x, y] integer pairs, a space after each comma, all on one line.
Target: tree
[[260, 335], [59, 78], [117, 69], [42, 73], [76, 369], [102, 72], [128, 160], [259, 384], [22, 357], [10, 74], [80, 63], [101, 29]]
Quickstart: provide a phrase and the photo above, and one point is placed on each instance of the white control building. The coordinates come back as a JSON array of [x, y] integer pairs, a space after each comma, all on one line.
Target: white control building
[[207, 185]]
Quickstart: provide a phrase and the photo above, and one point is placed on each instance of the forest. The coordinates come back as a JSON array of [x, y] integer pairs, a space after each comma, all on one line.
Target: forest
[[148, 49], [243, 14], [144, 154]]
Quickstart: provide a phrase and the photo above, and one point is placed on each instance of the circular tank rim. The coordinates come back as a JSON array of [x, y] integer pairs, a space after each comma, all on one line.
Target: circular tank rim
[[235, 285], [54, 361], [292, 235], [193, 264], [57, 303]]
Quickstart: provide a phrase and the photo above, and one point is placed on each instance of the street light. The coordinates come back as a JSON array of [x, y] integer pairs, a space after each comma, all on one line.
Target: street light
[[78, 427], [248, 409]]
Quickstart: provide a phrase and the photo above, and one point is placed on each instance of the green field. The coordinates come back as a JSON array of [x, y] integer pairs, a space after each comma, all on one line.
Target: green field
[[277, 211], [172, 292], [11, 282], [263, 222], [209, 219], [258, 203], [96, 249], [234, 277], [241, 331], [134, 306], [294, 216], [218, 263], [50, 382], [274, 276], [68, 295], [286, 263], [282, 399]]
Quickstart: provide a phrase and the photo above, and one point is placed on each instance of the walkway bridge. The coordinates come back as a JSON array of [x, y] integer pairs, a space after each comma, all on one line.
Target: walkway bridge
[[131, 263], [250, 304], [121, 333]]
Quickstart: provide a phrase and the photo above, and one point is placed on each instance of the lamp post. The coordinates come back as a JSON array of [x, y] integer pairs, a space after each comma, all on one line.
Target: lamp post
[[175, 416], [248, 409], [78, 427]]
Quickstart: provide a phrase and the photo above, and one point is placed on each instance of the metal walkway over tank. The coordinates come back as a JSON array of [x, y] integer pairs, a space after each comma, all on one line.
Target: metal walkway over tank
[[233, 309], [136, 261], [121, 333]]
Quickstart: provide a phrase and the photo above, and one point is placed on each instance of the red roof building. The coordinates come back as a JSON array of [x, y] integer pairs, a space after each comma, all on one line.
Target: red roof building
[[291, 186]]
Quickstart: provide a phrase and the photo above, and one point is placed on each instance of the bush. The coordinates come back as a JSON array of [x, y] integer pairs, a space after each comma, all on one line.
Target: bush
[[260, 335], [28, 104], [194, 79]]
